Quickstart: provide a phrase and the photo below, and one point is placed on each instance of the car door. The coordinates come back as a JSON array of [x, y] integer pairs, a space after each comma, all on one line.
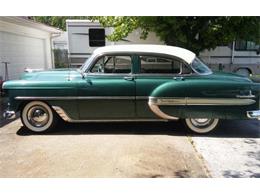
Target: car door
[[155, 71], [108, 90]]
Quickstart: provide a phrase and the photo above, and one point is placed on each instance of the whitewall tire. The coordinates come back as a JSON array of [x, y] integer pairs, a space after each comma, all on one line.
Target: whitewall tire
[[201, 125], [38, 117]]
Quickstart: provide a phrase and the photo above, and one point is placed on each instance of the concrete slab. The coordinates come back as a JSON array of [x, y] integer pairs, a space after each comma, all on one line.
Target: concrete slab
[[99, 150], [233, 150]]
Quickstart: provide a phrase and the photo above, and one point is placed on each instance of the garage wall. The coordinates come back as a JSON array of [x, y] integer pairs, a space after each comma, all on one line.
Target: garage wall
[[23, 47]]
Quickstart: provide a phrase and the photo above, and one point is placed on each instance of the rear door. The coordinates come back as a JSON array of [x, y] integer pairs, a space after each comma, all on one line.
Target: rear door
[[154, 71]]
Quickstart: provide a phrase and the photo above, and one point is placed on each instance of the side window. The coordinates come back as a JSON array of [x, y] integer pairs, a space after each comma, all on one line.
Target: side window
[[113, 64], [161, 65]]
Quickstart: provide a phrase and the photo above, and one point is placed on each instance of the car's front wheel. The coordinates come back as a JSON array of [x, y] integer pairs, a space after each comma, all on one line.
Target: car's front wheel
[[37, 116], [201, 125]]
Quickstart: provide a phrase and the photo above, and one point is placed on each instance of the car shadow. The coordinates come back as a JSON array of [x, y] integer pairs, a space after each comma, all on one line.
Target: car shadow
[[128, 128], [227, 129]]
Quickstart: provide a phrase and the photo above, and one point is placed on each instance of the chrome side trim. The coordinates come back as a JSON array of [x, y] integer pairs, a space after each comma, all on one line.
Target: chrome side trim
[[200, 101], [219, 101], [83, 98], [76, 98], [9, 114], [255, 114], [250, 95], [142, 97], [62, 113], [65, 117], [246, 96], [168, 101], [156, 110]]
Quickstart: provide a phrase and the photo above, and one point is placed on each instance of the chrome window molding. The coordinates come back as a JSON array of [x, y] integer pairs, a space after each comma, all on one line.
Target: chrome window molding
[[87, 67]]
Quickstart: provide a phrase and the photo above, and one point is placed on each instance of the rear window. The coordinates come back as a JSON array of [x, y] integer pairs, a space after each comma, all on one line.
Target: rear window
[[159, 65]]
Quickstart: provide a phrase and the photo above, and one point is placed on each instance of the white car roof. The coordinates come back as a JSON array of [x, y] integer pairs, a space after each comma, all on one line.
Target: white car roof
[[184, 54]]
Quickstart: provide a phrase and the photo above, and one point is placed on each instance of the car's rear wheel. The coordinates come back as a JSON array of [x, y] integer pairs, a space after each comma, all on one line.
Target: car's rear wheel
[[38, 117], [201, 125]]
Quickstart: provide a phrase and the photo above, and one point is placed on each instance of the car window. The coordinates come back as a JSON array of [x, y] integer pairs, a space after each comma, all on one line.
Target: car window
[[113, 64], [199, 67], [161, 65]]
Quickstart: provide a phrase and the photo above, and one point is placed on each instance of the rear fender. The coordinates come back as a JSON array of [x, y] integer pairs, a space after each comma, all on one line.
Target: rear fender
[[197, 98]]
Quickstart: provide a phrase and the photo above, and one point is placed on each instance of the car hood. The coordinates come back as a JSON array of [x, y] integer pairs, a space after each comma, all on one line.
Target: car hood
[[55, 75]]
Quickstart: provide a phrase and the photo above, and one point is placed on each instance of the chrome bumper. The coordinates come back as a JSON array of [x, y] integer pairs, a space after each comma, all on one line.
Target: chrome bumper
[[9, 114], [255, 114]]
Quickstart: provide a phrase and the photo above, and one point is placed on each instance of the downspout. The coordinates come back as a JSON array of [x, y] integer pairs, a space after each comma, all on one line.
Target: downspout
[[53, 35], [232, 52]]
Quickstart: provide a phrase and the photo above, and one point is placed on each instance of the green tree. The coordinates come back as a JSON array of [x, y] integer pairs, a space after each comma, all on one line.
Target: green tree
[[57, 21], [194, 33]]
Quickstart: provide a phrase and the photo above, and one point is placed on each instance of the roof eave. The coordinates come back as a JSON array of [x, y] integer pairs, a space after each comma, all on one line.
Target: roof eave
[[31, 23]]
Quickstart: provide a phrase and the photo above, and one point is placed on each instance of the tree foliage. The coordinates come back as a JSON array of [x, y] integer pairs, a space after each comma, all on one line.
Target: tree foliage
[[194, 33], [57, 21]]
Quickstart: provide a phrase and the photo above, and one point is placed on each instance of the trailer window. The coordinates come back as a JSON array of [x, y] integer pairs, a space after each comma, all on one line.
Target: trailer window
[[96, 37], [242, 45]]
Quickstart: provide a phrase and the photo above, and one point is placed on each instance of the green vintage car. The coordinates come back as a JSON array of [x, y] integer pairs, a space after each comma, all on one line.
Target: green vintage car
[[133, 83]]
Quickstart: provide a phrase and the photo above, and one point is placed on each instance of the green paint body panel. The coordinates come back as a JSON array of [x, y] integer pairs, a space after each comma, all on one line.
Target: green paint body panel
[[64, 83], [106, 86]]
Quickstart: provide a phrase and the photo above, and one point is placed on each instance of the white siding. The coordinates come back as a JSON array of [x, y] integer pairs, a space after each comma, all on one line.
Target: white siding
[[21, 52], [23, 47]]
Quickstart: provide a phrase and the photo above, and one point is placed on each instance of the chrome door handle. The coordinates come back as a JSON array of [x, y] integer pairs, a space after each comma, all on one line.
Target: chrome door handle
[[179, 78], [129, 78]]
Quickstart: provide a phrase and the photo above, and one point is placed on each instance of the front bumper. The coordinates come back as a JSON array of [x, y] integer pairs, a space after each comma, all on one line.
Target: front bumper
[[8, 114], [255, 114]]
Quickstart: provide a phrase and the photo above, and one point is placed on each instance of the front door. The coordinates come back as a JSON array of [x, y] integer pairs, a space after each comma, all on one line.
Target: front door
[[108, 91]]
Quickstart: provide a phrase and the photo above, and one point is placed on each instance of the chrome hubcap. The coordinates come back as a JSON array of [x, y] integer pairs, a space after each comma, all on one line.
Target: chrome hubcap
[[38, 116], [201, 122]]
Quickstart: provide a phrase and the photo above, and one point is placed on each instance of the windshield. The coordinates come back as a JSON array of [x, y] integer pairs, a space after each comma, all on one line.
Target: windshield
[[199, 67], [86, 64]]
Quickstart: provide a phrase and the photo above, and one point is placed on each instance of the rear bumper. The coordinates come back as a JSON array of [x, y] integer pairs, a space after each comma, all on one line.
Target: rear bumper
[[255, 114], [8, 114]]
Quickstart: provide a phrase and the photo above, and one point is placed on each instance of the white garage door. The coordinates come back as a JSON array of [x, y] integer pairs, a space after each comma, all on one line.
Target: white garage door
[[22, 52]]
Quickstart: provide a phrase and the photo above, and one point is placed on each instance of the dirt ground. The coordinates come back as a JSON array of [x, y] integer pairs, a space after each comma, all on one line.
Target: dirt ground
[[100, 150]]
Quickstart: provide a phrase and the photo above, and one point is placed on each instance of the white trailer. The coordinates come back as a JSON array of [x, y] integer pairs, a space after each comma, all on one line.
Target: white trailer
[[240, 57], [85, 36]]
